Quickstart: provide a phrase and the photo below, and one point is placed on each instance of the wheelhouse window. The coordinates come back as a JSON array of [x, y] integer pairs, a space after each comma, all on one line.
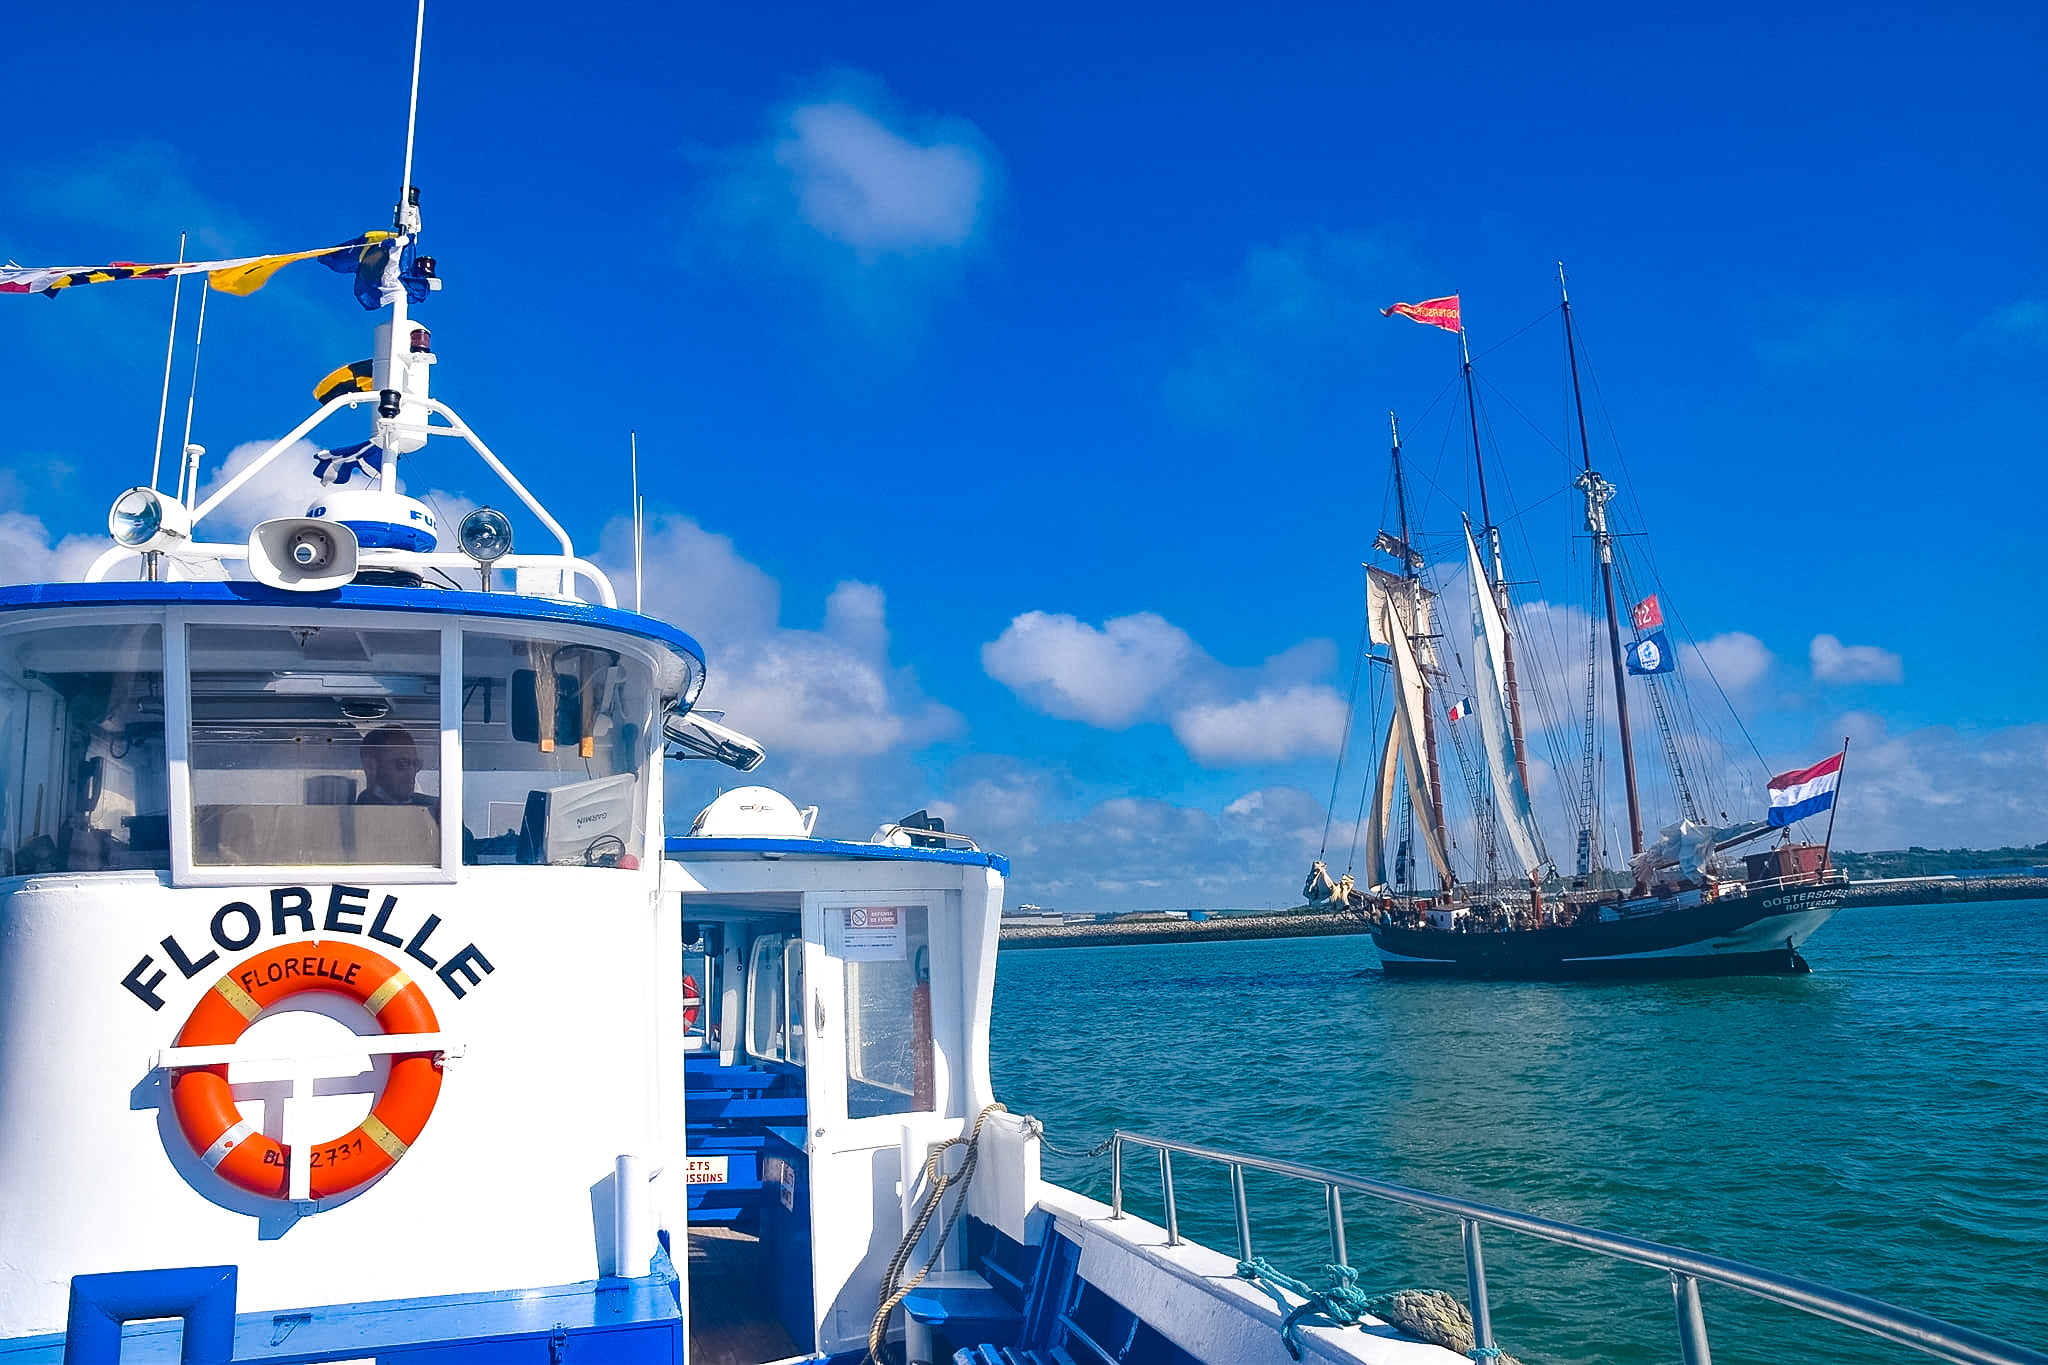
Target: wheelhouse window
[[315, 745], [83, 784], [556, 741]]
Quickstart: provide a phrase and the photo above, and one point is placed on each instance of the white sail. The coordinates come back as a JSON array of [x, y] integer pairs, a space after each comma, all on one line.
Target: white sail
[[1409, 703], [1382, 805], [1399, 606], [1489, 646]]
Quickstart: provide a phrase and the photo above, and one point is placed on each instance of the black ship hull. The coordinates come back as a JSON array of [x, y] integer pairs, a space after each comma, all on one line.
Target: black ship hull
[[1752, 935]]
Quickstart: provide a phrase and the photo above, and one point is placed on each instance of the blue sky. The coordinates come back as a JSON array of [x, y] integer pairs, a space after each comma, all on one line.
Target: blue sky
[[1010, 383]]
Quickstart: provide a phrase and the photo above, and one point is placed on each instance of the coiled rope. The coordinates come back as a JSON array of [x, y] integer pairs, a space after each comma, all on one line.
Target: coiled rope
[[1427, 1314], [938, 1182]]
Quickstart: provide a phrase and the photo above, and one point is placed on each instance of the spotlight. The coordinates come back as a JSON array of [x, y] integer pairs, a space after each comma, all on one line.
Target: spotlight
[[144, 519], [485, 535]]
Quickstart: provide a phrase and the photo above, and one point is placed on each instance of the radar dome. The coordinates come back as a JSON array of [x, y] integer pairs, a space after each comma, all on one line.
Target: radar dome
[[754, 813]]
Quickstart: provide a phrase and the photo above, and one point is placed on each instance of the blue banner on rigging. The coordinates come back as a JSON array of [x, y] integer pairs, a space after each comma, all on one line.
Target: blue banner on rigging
[[1652, 654]]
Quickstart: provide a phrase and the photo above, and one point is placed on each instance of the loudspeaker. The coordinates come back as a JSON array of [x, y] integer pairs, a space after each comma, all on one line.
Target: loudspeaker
[[302, 554]]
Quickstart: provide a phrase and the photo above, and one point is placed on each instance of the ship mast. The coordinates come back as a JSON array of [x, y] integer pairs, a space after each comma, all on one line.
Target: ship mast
[[1497, 573], [1598, 491], [1410, 574]]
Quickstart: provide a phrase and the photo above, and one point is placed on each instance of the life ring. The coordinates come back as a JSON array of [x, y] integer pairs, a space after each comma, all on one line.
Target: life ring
[[693, 1001], [245, 1157]]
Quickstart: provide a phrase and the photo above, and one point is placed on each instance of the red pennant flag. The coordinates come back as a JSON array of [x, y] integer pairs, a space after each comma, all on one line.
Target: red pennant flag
[[1436, 312], [1647, 614]]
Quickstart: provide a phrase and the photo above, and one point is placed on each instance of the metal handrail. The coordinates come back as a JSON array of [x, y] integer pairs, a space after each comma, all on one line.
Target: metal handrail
[[1905, 1326]]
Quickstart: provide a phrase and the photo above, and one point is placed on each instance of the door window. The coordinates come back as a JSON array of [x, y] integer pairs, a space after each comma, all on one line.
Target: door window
[[775, 999], [889, 1062]]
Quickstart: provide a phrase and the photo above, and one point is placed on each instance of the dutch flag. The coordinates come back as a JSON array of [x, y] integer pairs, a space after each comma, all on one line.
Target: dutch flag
[[1804, 791]]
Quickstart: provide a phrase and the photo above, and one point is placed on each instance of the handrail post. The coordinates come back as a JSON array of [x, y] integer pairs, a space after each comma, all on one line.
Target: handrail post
[[1338, 1254], [1166, 1188], [1692, 1320], [1475, 1280], [1116, 1175], [1244, 1216]]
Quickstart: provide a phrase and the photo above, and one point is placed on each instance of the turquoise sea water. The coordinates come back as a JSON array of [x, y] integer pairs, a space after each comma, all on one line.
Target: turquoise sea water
[[1880, 1125]]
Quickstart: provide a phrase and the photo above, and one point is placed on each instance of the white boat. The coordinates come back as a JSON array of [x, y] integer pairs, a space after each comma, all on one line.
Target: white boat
[[357, 1001]]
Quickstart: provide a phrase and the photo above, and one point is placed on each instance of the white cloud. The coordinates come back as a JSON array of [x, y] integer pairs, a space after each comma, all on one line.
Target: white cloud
[[870, 210], [1268, 727], [997, 801], [860, 182], [1736, 659], [824, 694], [285, 487], [807, 692], [1834, 661], [449, 510], [1107, 676], [27, 554], [1142, 667], [695, 578], [856, 616], [1939, 787]]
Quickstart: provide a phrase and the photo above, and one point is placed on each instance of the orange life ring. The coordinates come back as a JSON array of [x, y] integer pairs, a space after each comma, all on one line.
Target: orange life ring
[[693, 1001], [244, 1156]]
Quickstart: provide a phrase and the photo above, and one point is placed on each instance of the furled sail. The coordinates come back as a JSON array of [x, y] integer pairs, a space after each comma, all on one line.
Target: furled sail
[[1382, 804], [1400, 609], [1489, 643]]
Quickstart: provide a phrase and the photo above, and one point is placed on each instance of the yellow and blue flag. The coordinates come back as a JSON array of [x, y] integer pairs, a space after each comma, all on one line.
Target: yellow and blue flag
[[241, 275], [356, 375]]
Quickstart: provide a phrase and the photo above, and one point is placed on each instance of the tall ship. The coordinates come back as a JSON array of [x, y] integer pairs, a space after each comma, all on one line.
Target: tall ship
[[362, 1001], [1478, 893]]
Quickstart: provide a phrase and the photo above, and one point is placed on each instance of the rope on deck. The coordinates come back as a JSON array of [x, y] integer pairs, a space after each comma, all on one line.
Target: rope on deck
[[1429, 1315], [938, 1182]]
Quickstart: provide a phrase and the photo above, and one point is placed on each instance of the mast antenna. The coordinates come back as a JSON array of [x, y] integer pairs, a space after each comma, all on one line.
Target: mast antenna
[[188, 461], [408, 216], [638, 531], [163, 407]]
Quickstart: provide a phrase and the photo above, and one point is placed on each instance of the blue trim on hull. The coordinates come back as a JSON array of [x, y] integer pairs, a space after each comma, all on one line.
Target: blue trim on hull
[[436, 601], [687, 848]]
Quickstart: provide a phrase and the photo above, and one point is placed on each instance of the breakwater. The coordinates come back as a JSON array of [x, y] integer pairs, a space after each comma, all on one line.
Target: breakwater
[[1308, 922]]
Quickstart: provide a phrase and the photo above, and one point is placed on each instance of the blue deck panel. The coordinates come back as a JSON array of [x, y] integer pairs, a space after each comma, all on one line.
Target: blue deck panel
[[631, 1322]]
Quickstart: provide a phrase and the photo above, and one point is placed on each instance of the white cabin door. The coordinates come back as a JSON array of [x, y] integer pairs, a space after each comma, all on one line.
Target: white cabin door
[[873, 1071]]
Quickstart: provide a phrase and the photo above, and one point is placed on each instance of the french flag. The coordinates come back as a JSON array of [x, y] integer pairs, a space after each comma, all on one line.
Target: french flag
[[1804, 791]]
